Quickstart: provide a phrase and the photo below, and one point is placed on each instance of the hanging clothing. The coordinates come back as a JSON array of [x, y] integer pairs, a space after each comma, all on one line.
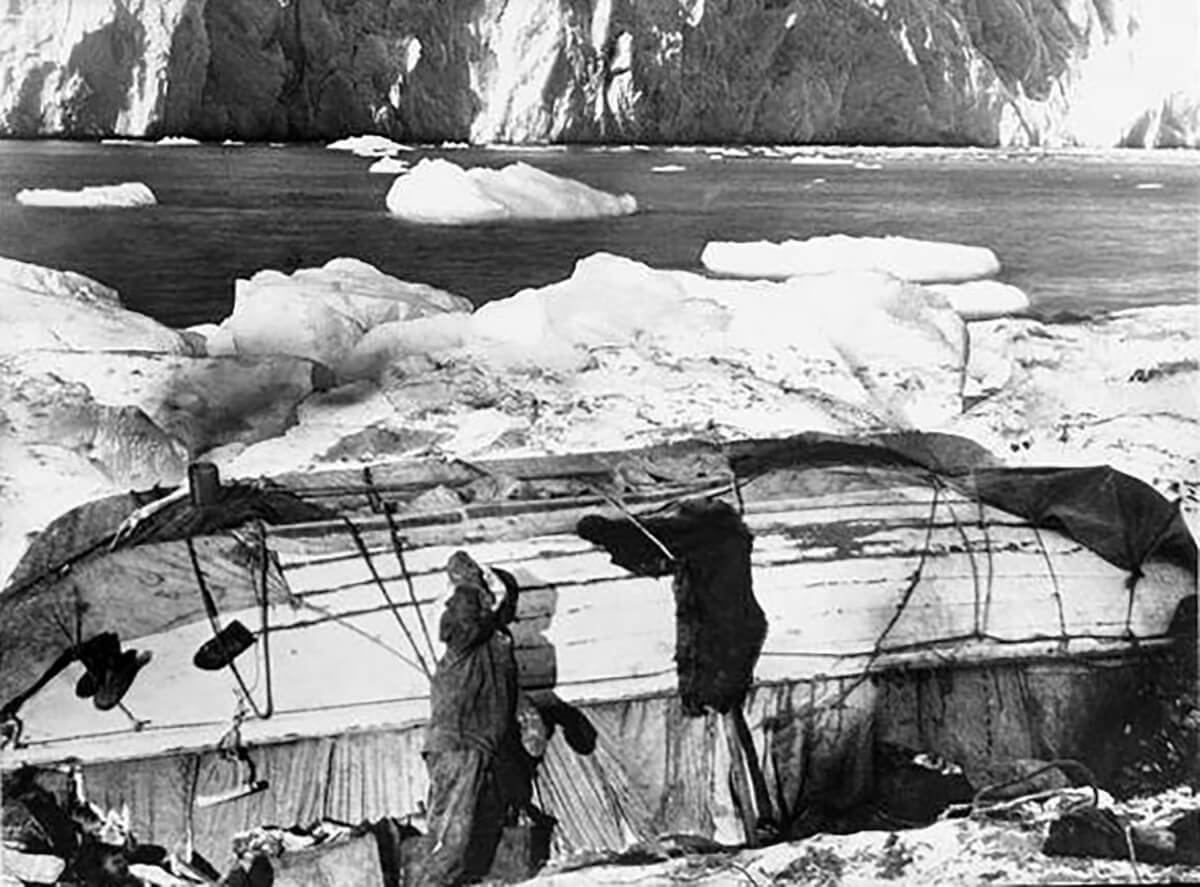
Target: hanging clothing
[[719, 626]]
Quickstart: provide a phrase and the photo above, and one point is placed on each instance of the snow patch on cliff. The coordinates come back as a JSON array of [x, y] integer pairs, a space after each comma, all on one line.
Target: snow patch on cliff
[[439, 192]]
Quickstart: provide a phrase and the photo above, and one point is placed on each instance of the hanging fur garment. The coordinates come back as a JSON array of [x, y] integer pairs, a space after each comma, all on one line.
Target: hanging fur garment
[[719, 626]]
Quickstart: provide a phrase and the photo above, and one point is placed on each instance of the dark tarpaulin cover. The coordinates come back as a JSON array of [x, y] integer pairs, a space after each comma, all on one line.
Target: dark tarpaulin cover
[[93, 526], [1124, 520]]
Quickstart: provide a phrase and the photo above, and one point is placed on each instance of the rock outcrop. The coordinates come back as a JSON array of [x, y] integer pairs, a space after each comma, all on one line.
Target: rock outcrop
[[986, 72]]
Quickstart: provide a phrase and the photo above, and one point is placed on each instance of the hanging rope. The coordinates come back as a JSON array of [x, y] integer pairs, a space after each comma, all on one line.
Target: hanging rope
[[913, 581], [264, 611], [366, 556], [991, 565], [978, 599], [398, 549], [1056, 593], [210, 607]]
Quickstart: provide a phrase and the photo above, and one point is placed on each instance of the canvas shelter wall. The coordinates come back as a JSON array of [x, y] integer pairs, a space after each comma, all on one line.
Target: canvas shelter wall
[[650, 770]]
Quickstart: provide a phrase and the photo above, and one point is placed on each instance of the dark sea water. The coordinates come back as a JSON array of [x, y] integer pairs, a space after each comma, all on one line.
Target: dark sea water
[[1074, 229]]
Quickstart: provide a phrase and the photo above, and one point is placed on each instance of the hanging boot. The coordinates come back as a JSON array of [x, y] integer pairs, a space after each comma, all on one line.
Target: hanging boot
[[118, 679], [229, 643], [99, 655]]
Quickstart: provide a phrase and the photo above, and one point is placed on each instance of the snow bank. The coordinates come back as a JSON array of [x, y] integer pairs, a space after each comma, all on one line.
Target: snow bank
[[389, 166], [439, 192], [1119, 390], [368, 146], [920, 261], [126, 194]]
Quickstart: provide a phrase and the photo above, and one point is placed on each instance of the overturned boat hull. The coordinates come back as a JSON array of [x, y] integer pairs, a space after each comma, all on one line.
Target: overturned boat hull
[[881, 581]]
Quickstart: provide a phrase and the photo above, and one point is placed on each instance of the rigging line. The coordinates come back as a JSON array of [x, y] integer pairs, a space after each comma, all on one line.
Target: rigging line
[[914, 581], [264, 613], [620, 506], [978, 600], [604, 494], [398, 550], [366, 556], [210, 608], [991, 565], [1056, 593]]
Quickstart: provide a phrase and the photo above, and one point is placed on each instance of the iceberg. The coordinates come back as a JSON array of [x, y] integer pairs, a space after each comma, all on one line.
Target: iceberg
[[43, 308], [917, 261], [368, 146], [126, 194], [177, 142], [439, 192], [321, 313], [389, 166], [621, 352]]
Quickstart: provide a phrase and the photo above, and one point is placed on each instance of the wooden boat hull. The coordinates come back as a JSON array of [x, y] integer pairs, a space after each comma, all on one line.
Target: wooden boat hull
[[863, 576]]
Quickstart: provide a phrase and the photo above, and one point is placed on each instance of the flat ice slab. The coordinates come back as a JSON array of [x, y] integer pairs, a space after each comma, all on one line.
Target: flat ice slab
[[917, 261], [438, 192], [368, 146], [983, 299], [126, 194]]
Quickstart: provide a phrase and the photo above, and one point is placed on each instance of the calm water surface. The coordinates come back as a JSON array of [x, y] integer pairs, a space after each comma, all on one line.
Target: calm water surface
[[1074, 229]]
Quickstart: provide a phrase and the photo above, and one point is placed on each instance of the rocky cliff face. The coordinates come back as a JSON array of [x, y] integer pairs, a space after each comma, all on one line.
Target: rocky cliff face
[[989, 72]]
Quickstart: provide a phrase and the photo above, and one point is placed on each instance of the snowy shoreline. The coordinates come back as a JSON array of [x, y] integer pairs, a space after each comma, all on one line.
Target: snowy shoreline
[[347, 364]]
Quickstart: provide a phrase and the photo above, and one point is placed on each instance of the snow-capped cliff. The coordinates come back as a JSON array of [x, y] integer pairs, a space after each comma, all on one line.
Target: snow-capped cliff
[[1095, 72]]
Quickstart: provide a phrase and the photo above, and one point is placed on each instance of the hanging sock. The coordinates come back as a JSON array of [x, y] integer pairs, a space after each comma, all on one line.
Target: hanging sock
[[220, 650]]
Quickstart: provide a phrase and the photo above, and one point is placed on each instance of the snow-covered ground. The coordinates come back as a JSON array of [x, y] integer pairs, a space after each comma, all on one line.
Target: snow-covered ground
[[949, 853]]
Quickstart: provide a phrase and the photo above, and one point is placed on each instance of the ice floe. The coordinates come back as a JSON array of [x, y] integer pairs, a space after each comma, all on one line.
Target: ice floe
[[919, 261], [368, 146], [983, 299], [389, 166], [668, 167], [124, 195], [321, 313], [439, 192]]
